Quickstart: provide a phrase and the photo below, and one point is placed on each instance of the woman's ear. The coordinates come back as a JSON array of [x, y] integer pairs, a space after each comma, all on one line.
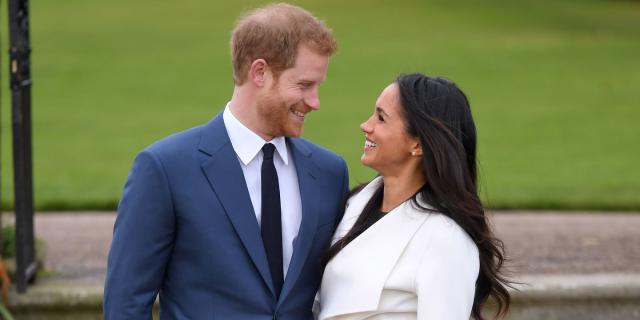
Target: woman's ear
[[416, 149], [258, 72]]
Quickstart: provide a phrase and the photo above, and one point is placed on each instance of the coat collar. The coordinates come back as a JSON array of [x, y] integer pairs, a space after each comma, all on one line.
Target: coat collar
[[350, 284], [246, 143], [307, 172], [222, 169]]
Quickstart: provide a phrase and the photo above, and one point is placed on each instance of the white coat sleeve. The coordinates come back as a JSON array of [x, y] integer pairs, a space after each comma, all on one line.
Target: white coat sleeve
[[446, 275]]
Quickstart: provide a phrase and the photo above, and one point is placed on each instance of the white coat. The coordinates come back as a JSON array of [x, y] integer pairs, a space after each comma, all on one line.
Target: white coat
[[408, 265]]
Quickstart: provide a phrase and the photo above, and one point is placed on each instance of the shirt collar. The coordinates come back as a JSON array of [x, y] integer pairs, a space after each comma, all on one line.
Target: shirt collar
[[246, 143]]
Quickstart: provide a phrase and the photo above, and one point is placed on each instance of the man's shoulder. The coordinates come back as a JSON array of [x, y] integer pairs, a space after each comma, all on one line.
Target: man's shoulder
[[178, 141], [326, 161], [187, 140], [318, 153]]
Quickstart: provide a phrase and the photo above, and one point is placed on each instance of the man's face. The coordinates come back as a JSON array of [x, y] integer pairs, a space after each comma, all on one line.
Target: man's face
[[288, 99]]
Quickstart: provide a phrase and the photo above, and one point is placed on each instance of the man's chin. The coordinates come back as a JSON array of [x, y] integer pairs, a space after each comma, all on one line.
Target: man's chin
[[294, 133]]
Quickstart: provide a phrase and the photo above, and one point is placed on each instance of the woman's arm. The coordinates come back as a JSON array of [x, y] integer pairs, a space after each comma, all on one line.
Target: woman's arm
[[447, 273]]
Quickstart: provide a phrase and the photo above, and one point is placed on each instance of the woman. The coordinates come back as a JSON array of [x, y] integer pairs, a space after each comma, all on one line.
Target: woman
[[414, 243]]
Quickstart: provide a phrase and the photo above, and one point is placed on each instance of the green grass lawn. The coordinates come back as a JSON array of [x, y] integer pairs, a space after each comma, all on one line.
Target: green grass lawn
[[554, 85]]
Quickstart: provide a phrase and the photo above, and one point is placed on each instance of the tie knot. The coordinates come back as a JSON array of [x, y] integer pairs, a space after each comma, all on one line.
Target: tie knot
[[267, 151]]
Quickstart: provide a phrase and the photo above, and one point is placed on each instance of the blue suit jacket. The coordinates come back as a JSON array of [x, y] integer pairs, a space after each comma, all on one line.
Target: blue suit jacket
[[186, 229]]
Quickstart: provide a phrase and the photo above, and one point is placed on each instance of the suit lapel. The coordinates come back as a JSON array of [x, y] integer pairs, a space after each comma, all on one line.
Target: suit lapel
[[225, 176], [307, 176]]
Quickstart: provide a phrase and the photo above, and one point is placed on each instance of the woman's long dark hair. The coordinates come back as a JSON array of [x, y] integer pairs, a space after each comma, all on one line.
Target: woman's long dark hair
[[438, 113]]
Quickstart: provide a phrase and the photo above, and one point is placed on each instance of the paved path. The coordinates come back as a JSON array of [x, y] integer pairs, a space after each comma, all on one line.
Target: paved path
[[537, 242]]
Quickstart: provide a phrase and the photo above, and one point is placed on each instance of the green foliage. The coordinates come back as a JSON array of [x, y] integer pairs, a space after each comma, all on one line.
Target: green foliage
[[9, 242], [9, 250], [553, 85], [4, 313]]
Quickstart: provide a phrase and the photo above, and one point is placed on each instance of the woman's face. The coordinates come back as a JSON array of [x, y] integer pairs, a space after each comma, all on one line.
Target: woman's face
[[388, 147]]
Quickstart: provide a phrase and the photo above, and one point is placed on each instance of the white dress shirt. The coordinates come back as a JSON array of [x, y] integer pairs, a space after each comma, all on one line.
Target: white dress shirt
[[248, 146]]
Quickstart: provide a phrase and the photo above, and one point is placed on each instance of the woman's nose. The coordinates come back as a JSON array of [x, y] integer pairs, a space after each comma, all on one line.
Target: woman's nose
[[365, 127]]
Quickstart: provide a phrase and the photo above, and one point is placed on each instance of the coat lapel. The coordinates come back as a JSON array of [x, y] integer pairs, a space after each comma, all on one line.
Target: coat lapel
[[307, 176], [350, 283], [225, 176]]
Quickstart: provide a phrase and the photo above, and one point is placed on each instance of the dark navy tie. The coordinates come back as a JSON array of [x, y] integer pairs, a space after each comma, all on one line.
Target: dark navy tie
[[270, 221]]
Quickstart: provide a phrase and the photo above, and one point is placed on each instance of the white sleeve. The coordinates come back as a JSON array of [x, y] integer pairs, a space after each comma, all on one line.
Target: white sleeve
[[315, 309], [446, 275]]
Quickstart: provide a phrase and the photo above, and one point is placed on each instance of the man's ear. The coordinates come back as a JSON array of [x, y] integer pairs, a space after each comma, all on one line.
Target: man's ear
[[258, 72]]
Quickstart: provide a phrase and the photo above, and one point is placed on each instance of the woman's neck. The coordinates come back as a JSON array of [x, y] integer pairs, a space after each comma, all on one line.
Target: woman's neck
[[399, 188]]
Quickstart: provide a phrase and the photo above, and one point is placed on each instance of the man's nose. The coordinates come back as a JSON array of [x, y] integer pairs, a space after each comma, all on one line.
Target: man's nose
[[313, 99]]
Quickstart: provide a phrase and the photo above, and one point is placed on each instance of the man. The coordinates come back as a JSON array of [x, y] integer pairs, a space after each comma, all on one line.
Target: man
[[229, 220]]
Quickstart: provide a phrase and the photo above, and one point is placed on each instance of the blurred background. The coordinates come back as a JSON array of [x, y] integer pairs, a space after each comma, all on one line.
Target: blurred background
[[554, 87]]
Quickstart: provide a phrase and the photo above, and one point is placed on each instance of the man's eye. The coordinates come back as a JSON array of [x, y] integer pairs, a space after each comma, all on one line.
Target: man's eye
[[380, 118]]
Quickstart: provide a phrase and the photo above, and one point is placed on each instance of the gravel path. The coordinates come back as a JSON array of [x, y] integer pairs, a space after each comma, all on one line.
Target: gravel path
[[536, 242]]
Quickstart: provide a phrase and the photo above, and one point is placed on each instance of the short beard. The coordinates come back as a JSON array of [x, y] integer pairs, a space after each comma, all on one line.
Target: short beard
[[270, 109]]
